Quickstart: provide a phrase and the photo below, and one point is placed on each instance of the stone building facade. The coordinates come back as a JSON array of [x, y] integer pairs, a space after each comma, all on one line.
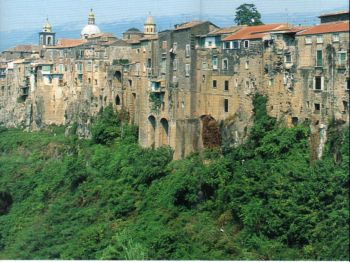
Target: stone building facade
[[189, 87]]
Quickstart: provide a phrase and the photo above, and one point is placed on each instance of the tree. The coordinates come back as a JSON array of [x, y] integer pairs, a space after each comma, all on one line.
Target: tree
[[247, 14]]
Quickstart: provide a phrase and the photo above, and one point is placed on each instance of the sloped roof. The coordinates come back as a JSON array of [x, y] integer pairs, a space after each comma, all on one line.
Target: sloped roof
[[24, 48], [68, 43], [256, 32], [335, 13], [342, 26], [226, 30], [133, 30], [189, 24]]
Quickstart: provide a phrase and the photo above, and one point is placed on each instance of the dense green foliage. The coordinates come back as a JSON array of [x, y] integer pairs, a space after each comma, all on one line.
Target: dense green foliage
[[247, 14], [107, 198]]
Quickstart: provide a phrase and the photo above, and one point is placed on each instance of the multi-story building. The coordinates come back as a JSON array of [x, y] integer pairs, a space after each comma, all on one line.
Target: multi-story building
[[189, 87]]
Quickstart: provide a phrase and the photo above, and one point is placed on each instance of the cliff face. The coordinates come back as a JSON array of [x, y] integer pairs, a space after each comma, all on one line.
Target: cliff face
[[179, 92]]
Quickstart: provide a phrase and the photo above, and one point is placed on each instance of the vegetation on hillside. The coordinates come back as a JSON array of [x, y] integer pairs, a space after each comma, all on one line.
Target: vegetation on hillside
[[65, 198]]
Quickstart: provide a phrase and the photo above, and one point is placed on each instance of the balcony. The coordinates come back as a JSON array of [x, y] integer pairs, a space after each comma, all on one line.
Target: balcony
[[157, 86]]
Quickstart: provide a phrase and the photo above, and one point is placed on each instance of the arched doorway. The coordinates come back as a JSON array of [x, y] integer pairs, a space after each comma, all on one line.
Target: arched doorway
[[164, 132], [211, 136], [152, 124], [117, 100]]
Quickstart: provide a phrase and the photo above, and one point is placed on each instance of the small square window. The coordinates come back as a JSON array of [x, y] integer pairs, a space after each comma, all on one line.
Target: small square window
[[317, 107], [214, 84], [236, 44], [308, 40], [319, 39], [287, 58], [335, 37]]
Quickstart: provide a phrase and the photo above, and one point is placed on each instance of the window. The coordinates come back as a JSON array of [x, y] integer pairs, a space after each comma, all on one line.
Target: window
[[187, 69], [246, 43], [203, 78], [163, 66], [96, 82], [317, 107], [164, 44], [335, 37], [319, 58], [287, 58], [215, 63], [89, 66], [226, 105], [271, 82], [227, 45], [236, 44], [318, 82], [342, 57], [117, 100], [225, 64], [226, 86], [204, 66], [236, 82], [346, 107], [188, 50], [214, 84], [175, 64], [319, 39], [89, 80], [246, 64], [308, 40], [60, 68], [174, 47], [137, 69], [347, 84]]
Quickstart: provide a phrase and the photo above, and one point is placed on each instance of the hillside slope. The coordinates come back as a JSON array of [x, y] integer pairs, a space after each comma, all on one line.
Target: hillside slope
[[64, 198]]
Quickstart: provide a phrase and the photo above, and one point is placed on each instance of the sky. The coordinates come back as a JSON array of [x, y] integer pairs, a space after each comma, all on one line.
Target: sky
[[31, 14]]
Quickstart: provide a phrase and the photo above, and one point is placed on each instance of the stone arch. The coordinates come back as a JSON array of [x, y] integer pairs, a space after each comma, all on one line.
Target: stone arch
[[118, 76], [164, 132], [152, 125], [117, 100], [211, 135]]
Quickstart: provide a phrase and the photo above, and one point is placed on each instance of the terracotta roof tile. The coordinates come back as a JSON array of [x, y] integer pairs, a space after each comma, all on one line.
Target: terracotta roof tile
[[256, 32], [327, 28], [67, 43], [188, 25], [226, 30]]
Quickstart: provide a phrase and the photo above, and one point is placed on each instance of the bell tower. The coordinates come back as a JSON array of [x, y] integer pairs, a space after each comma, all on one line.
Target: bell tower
[[149, 26], [46, 36]]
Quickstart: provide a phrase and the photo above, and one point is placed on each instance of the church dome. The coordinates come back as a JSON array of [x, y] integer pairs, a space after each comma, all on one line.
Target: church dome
[[47, 26], [90, 30]]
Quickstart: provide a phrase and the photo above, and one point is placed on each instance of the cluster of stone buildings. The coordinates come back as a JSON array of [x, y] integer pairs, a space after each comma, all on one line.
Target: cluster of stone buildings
[[189, 87]]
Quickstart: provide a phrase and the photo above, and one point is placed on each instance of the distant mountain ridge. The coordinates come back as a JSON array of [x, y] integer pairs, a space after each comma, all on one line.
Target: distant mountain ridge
[[72, 30]]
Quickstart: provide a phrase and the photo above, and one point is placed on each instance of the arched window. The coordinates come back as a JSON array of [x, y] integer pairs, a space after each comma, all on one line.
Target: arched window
[[49, 40], [164, 138], [152, 130], [117, 100]]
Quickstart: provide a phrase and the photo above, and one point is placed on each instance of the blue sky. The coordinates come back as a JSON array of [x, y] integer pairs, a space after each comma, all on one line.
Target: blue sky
[[31, 14]]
